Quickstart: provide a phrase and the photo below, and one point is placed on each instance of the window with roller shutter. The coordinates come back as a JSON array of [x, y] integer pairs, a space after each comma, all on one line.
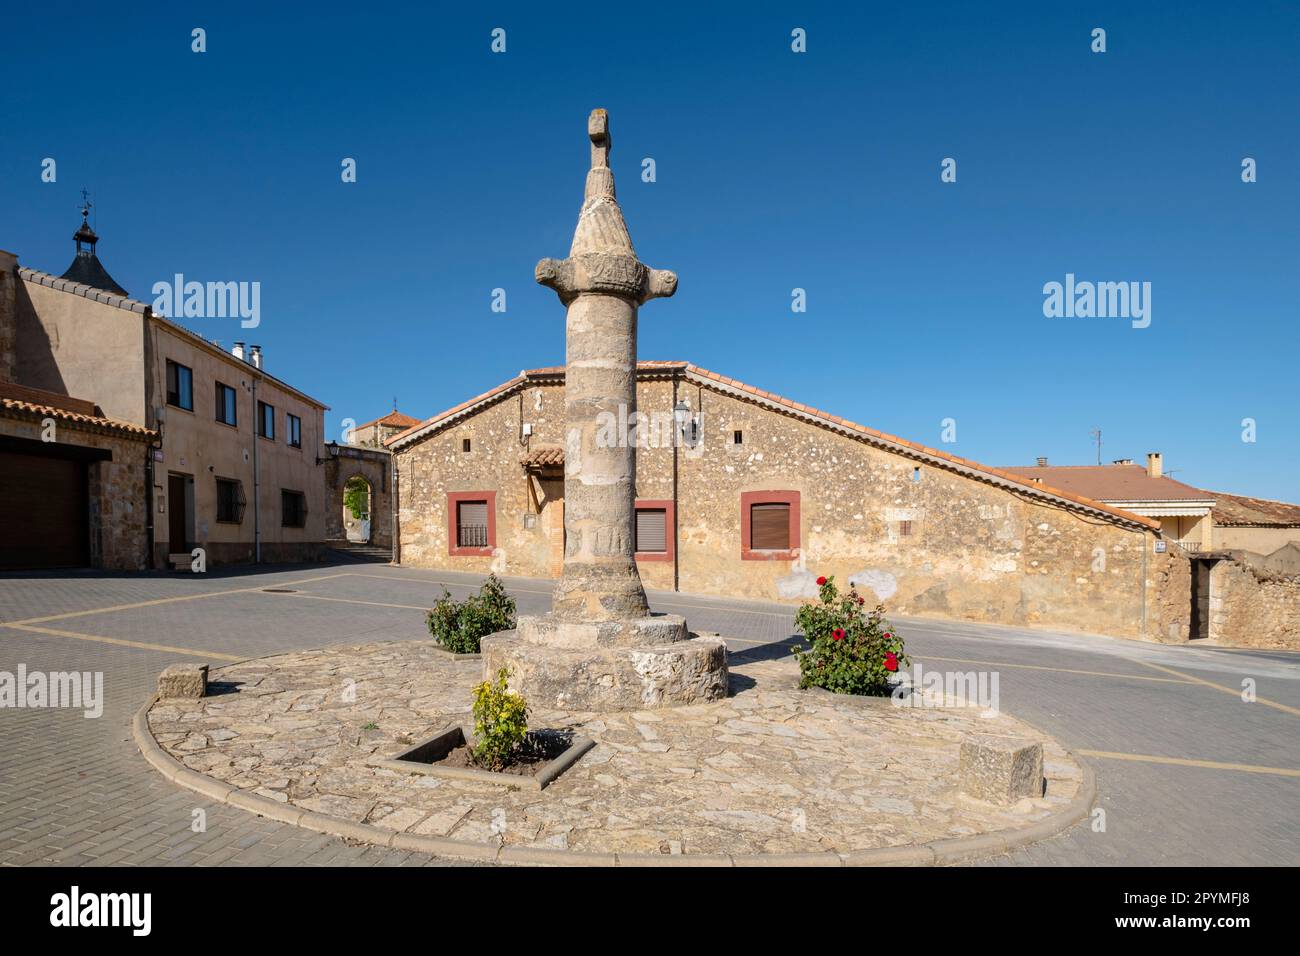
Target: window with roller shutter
[[654, 530], [471, 523], [769, 525]]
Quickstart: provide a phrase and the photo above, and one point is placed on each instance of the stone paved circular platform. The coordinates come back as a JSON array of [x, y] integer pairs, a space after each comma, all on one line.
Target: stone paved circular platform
[[771, 774]]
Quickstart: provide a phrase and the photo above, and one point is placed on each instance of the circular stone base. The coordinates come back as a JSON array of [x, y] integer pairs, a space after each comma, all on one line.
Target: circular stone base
[[610, 678], [771, 774]]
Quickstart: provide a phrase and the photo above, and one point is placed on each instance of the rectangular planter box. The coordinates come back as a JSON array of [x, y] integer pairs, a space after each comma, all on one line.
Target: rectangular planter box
[[423, 758]]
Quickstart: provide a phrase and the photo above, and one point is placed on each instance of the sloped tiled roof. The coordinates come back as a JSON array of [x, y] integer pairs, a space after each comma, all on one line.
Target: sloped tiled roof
[[1240, 511], [393, 419], [33, 403], [548, 456], [873, 436], [1110, 482]]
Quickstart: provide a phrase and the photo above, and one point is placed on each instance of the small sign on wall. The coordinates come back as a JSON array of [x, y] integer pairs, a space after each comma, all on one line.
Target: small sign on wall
[[1161, 547]]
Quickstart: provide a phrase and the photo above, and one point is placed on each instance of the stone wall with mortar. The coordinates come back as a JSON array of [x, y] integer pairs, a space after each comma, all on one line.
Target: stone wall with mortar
[[118, 508], [373, 466], [1169, 586], [974, 551], [1250, 607], [8, 316]]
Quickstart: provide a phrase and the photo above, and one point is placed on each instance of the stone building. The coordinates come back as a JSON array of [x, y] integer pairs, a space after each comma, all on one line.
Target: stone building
[[74, 483], [234, 463], [744, 493], [1186, 514], [1258, 525], [373, 434], [370, 468]]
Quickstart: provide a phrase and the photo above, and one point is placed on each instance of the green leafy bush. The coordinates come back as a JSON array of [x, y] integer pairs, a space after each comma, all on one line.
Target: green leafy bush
[[500, 721], [459, 625], [853, 651]]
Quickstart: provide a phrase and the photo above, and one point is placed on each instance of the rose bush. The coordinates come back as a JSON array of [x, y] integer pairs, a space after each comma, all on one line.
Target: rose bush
[[854, 651]]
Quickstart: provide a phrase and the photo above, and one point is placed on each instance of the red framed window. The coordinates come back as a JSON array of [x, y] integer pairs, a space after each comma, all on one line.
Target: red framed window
[[769, 525], [471, 523], [655, 520]]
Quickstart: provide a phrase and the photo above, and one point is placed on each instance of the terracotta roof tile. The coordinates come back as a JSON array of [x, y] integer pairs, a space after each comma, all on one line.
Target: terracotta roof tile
[[544, 457], [34, 410], [697, 372], [1244, 512], [1111, 482]]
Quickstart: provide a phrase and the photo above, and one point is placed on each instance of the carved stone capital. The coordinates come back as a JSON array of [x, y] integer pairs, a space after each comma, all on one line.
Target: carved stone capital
[[605, 273]]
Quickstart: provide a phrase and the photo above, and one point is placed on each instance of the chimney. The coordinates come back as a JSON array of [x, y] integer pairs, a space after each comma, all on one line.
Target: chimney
[[1042, 463], [1155, 464], [238, 350], [255, 352]]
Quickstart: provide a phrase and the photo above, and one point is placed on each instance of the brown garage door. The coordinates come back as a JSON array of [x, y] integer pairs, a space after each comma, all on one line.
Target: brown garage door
[[45, 522]]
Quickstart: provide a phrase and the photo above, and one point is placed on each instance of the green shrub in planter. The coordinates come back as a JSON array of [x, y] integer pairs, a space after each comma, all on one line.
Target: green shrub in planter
[[500, 721], [459, 625], [854, 651]]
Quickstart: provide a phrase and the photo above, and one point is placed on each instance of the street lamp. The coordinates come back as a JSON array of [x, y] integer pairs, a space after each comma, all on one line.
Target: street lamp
[[686, 426], [331, 449]]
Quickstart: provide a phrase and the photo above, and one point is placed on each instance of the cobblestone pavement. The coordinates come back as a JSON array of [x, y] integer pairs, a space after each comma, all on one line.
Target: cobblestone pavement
[[770, 769], [1188, 772]]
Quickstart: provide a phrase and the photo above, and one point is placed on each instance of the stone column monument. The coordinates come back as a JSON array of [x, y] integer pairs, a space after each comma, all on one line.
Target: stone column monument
[[600, 648]]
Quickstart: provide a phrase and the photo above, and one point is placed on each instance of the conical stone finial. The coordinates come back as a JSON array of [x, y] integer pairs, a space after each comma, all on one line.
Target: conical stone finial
[[601, 258]]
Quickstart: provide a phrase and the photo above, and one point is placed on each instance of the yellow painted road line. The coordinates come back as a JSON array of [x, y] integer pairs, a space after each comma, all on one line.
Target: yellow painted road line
[[160, 601], [657, 603], [427, 581], [1182, 762], [1059, 670], [321, 597], [138, 645], [1234, 691]]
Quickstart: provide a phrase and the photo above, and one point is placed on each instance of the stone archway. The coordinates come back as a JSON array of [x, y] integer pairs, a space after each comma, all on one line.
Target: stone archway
[[371, 466], [358, 510]]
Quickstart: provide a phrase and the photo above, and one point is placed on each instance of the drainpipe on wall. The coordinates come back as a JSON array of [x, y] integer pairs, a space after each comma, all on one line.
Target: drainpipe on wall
[[676, 442], [393, 504], [257, 485], [1143, 582]]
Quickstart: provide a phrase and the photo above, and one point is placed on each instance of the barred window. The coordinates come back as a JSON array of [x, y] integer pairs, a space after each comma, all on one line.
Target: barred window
[[471, 524], [230, 501]]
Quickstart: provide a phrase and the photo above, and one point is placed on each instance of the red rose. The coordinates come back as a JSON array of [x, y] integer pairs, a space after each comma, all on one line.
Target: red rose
[[821, 582], [891, 662], [888, 635], [862, 600], [838, 634]]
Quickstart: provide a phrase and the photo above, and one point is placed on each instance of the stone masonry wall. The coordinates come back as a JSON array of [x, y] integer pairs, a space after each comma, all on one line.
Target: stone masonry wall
[[974, 551], [118, 509], [373, 466], [1254, 608], [8, 316]]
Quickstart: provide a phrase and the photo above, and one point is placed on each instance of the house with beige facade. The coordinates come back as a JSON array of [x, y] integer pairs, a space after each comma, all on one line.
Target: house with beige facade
[[1186, 514], [741, 492], [234, 454]]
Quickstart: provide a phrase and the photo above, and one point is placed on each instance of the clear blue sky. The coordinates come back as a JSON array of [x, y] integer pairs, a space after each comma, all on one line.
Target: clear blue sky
[[775, 170]]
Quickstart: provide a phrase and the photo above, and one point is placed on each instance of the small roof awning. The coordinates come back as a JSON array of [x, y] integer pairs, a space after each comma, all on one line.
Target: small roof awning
[[546, 458]]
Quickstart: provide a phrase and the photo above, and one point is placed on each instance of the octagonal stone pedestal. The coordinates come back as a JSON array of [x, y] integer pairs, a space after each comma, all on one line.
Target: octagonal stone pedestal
[[630, 664]]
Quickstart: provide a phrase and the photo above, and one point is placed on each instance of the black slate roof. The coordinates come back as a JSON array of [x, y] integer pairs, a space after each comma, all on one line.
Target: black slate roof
[[87, 270]]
